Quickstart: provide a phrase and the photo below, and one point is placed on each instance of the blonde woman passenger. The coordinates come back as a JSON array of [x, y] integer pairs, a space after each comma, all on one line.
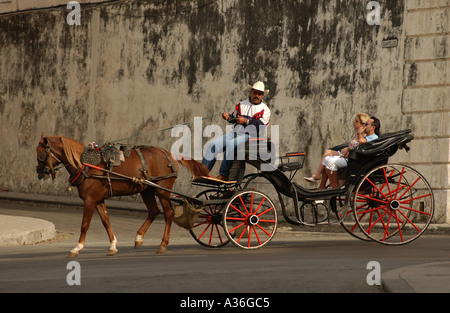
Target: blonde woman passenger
[[358, 125], [332, 164]]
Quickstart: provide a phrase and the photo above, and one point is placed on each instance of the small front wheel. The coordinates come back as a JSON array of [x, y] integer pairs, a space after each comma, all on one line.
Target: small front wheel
[[250, 219], [208, 229]]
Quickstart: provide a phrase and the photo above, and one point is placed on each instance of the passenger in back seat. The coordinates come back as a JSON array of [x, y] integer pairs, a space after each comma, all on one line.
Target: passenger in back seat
[[332, 164], [358, 125]]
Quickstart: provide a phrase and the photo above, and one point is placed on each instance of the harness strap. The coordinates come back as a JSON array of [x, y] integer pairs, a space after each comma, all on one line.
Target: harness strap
[[171, 164], [145, 169], [77, 178], [143, 162]]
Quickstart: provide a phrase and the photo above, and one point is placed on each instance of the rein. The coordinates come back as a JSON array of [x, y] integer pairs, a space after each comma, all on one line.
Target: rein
[[81, 173], [138, 180], [164, 129]]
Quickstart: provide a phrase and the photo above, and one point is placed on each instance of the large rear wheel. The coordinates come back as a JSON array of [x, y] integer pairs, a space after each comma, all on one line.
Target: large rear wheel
[[348, 222], [393, 204]]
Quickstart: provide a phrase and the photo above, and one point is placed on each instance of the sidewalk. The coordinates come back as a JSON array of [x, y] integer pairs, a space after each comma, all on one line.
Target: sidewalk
[[14, 230], [423, 278], [19, 230]]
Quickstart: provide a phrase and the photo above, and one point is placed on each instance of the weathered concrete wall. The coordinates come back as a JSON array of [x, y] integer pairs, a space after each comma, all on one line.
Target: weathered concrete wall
[[426, 94], [10, 6], [133, 67]]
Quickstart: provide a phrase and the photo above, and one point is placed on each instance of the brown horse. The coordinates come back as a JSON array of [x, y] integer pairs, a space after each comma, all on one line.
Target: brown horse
[[94, 186]]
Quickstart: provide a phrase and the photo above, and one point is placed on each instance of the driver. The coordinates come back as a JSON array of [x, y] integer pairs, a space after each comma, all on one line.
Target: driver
[[252, 111]]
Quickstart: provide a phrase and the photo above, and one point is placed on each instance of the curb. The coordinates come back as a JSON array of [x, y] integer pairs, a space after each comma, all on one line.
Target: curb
[[68, 200], [422, 278], [18, 231]]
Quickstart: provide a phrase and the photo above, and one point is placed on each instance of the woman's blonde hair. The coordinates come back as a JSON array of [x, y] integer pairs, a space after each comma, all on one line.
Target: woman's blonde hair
[[363, 117]]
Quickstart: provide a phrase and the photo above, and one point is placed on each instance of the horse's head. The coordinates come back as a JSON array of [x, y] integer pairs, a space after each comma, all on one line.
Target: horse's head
[[55, 150], [47, 157]]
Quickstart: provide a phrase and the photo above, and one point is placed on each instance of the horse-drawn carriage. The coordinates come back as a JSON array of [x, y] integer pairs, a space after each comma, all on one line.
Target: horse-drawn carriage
[[391, 204], [388, 203]]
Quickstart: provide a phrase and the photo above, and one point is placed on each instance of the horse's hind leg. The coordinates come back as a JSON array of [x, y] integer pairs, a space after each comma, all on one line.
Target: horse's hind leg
[[164, 197], [101, 209], [148, 196]]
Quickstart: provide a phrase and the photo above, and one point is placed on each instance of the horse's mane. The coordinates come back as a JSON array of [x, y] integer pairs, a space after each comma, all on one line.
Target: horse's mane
[[73, 150]]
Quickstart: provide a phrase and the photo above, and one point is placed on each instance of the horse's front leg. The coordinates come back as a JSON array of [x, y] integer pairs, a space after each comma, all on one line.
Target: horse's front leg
[[101, 209], [89, 207]]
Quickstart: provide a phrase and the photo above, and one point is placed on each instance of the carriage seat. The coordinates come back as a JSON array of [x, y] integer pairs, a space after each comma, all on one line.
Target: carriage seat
[[254, 145], [258, 148], [288, 165], [381, 145], [290, 162], [378, 151], [386, 144]]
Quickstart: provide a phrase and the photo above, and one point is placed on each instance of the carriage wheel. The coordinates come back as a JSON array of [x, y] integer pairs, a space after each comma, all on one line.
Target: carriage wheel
[[348, 223], [208, 229], [393, 204], [250, 219]]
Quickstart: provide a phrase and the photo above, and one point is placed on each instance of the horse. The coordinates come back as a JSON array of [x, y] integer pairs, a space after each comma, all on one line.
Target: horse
[[97, 184]]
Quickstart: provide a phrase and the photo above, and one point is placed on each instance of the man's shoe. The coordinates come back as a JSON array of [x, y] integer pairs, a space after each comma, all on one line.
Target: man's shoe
[[221, 177]]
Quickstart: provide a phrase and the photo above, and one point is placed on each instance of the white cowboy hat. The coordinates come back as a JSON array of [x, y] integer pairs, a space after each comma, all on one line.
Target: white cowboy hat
[[259, 85]]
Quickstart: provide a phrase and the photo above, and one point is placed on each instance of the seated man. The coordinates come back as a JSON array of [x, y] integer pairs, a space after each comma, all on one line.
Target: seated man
[[334, 163], [251, 111]]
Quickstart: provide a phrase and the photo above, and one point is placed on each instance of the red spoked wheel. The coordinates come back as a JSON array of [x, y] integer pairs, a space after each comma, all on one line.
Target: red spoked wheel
[[208, 229], [250, 219], [348, 221], [393, 204]]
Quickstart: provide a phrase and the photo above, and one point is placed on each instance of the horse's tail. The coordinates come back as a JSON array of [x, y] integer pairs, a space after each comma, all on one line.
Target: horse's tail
[[197, 168]]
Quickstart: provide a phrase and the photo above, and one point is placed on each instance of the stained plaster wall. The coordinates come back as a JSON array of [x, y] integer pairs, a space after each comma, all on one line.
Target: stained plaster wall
[[134, 67]]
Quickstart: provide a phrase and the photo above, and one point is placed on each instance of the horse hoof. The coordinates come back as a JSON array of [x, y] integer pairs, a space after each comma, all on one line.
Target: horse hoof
[[137, 244], [112, 252], [161, 250], [72, 255]]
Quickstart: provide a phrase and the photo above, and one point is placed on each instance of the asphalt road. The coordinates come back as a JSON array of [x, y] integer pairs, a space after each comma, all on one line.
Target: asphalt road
[[295, 261]]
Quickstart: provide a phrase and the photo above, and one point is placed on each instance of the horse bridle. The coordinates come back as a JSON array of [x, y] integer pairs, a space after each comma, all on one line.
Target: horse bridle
[[45, 167]]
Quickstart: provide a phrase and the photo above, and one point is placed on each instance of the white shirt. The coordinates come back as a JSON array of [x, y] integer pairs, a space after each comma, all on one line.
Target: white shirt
[[257, 114]]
